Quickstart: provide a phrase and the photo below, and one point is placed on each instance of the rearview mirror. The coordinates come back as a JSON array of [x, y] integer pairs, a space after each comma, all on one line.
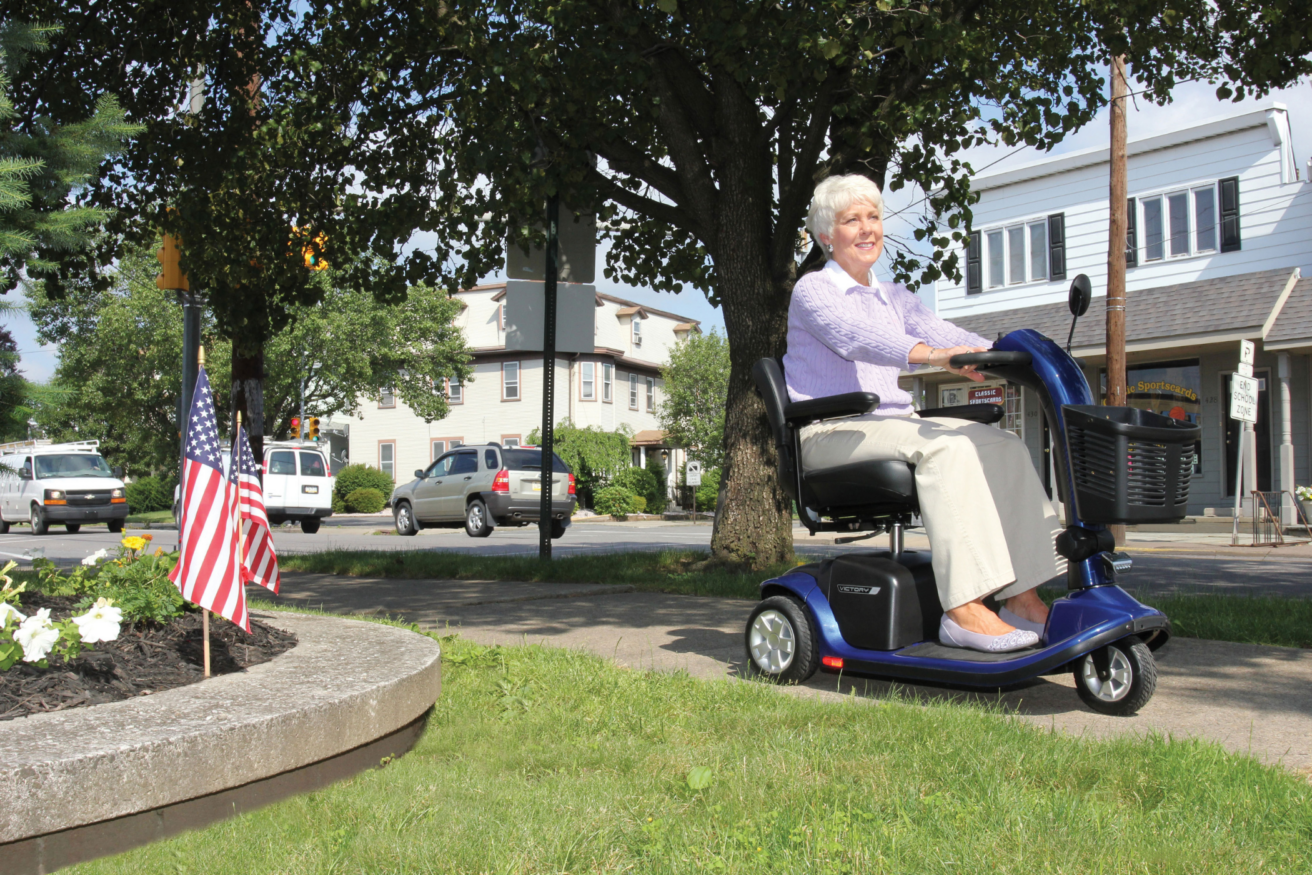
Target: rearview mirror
[[1081, 294], [419, 473], [117, 471]]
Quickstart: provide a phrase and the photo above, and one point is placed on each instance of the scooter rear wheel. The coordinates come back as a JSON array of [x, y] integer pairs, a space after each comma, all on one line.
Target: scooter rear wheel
[[781, 643], [1119, 679]]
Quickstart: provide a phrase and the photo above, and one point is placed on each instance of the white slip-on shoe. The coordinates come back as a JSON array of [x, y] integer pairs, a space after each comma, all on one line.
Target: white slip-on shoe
[[1020, 622], [952, 635]]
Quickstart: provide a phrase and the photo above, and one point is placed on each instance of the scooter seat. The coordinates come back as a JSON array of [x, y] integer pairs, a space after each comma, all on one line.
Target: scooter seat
[[861, 484]]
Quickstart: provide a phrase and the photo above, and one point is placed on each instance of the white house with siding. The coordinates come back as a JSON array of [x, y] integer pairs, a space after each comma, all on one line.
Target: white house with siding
[[1220, 238], [617, 385]]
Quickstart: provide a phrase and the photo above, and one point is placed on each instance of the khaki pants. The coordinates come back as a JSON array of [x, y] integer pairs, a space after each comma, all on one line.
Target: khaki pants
[[991, 527]]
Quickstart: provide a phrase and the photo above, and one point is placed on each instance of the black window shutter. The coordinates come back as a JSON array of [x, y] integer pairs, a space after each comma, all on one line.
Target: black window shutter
[[1057, 246], [1131, 235], [974, 278], [1230, 214]]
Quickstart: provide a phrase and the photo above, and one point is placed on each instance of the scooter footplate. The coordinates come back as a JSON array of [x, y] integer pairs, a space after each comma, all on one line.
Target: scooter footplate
[[934, 650]]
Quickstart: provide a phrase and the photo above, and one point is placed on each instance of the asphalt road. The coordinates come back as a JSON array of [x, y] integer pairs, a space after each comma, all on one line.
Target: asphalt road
[[1175, 571]]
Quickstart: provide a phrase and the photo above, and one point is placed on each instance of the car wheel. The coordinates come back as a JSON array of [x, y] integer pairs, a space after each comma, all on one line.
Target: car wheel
[[1118, 679], [310, 526], [476, 521], [557, 529], [405, 519], [116, 526], [73, 528], [39, 526], [781, 642]]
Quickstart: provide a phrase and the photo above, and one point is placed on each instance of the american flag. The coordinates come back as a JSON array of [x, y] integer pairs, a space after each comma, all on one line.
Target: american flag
[[259, 559], [209, 571]]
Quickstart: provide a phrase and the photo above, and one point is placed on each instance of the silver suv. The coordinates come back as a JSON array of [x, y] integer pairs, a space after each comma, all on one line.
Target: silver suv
[[481, 487]]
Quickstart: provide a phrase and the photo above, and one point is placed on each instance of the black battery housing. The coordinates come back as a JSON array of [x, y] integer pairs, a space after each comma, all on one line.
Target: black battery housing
[[881, 604]]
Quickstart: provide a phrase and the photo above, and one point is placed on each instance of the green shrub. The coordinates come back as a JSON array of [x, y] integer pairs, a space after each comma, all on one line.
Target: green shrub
[[709, 491], [354, 477], [639, 481], [365, 501], [616, 501], [339, 503], [659, 496], [146, 494], [138, 583], [639, 504]]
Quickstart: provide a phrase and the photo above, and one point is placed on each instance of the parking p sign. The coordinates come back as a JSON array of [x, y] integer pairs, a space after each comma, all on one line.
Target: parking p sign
[[694, 473]]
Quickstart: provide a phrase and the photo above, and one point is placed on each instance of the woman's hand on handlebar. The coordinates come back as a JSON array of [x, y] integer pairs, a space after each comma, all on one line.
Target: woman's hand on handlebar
[[923, 354]]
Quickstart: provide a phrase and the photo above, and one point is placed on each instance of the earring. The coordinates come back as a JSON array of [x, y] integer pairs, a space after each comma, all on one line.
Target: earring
[[830, 248]]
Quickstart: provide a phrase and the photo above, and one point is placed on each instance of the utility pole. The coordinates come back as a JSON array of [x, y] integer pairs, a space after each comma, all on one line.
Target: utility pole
[[1116, 241]]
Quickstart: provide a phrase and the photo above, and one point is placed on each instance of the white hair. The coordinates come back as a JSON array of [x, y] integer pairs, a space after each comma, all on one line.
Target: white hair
[[836, 194]]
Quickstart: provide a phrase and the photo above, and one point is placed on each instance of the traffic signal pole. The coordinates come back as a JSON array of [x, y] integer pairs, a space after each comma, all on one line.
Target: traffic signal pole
[[549, 379]]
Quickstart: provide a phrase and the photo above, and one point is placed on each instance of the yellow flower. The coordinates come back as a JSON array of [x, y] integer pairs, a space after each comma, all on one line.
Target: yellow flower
[[134, 543]]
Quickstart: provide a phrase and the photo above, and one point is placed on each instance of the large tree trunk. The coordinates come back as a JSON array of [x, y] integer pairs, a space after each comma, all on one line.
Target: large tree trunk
[[753, 520], [248, 396]]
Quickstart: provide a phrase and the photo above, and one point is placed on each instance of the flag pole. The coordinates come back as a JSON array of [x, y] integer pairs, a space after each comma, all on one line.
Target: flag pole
[[204, 614]]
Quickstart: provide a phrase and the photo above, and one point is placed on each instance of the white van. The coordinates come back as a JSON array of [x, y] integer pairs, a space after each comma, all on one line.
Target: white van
[[43, 483], [297, 484]]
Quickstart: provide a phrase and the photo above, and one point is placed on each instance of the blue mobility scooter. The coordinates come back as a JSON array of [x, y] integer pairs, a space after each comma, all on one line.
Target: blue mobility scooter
[[878, 612]]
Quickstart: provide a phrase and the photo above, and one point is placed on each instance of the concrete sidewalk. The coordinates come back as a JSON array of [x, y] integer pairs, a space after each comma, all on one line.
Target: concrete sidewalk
[[1250, 699]]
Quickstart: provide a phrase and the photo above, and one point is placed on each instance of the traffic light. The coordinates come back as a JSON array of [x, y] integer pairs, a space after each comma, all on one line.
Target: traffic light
[[296, 428], [312, 428], [171, 276]]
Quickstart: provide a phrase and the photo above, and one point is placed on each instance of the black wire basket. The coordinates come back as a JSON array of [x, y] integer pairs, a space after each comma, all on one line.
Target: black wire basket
[[1129, 465]]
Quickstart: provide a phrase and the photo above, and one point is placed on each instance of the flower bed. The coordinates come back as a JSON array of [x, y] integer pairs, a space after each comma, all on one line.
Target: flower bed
[[110, 629]]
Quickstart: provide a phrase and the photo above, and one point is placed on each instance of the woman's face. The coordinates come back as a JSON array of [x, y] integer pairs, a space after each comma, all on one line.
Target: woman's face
[[858, 238]]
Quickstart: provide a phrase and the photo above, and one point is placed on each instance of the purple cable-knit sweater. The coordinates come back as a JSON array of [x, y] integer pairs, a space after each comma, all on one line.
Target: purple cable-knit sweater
[[846, 337]]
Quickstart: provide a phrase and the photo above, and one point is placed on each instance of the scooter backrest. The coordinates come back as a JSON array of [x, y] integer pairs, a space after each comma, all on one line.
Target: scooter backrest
[[769, 378]]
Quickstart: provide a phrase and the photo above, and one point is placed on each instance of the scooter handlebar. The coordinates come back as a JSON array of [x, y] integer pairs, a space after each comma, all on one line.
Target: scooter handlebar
[[992, 358]]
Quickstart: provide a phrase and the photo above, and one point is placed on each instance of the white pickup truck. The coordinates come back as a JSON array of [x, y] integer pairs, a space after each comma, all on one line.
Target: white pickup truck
[[71, 483]]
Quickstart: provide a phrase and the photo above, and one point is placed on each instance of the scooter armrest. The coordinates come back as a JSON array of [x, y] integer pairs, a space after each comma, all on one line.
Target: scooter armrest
[[830, 407], [985, 413], [992, 357]]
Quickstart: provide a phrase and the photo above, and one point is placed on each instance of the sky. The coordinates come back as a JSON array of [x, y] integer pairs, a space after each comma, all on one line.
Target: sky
[[1193, 103]]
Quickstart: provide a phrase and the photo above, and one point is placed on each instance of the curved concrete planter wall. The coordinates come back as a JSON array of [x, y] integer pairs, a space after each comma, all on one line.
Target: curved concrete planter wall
[[348, 694]]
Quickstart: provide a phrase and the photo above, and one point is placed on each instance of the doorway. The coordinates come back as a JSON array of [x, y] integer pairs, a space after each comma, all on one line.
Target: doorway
[[1262, 432]]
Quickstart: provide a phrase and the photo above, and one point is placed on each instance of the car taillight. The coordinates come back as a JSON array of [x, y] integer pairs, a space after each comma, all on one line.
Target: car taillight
[[571, 484], [501, 483]]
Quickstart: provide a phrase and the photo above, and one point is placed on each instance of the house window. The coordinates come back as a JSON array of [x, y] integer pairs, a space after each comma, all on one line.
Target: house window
[[439, 447], [510, 440], [387, 458], [633, 391], [1014, 421], [1180, 223], [637, 331], [588, 381], [1018, 254], [607, 373], [510, 381], [387, 398], [651, 394], [455, 392]]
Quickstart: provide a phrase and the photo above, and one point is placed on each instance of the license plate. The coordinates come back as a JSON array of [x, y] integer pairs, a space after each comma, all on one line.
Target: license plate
[[537, 486]]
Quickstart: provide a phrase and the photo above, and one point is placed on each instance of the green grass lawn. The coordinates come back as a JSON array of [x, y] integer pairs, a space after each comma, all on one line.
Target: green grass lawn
[[548, 760], [154, 516], [1274, 620]]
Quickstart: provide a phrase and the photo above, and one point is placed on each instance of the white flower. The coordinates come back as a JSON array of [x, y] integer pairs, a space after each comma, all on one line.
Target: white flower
[[6, 611], [96, 557], [101, 623], [37, 636]]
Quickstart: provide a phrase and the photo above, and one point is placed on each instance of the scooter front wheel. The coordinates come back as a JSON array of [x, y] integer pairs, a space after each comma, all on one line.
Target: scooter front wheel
[[1118, 679], [781, 642]]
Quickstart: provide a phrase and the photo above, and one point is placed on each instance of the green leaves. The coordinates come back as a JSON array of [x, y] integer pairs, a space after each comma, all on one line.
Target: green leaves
[[700, 778]]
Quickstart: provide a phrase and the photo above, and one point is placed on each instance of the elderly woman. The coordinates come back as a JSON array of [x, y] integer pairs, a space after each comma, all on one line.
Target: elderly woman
[[984, 509]]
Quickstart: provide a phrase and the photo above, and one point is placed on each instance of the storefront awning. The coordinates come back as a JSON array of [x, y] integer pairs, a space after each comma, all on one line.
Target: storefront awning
[[1222, 310]]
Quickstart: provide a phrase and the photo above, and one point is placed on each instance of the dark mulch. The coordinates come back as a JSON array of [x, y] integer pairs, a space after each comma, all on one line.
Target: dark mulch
[[146, 658]]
